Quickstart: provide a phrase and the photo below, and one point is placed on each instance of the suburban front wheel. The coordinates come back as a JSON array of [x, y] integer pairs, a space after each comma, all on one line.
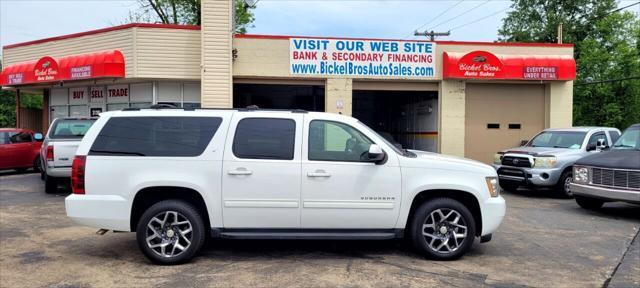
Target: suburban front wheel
[[589, 203], [443, 229], [170, 232]]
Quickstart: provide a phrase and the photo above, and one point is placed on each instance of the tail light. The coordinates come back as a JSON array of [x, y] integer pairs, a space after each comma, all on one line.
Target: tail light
[[50, 153], [77, 174]]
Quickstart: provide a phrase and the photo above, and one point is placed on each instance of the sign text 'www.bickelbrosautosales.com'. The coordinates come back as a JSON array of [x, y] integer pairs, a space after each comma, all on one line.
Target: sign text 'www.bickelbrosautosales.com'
[[363, 58]]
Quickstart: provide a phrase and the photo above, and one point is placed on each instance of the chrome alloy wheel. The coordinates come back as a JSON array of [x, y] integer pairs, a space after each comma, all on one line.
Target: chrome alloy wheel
[[169, 233], [445, 230], [567, 185]]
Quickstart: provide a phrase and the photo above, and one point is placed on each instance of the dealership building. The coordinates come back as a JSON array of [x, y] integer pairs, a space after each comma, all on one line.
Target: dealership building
[[460, 98]]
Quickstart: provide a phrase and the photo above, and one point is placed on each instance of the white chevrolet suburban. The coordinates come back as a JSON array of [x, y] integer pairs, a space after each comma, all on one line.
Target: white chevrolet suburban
[[177, 176]]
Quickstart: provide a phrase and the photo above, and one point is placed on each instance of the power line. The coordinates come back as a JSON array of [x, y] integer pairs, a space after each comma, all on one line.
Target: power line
[[622, 8], [479, 19], [465, 12], [607, 81], [438, 16]]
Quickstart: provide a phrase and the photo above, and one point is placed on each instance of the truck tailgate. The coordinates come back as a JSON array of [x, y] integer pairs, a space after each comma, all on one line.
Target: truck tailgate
[[63, 152]]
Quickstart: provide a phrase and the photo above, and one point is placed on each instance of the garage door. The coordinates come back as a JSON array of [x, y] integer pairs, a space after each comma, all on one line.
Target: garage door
[[500, 116]]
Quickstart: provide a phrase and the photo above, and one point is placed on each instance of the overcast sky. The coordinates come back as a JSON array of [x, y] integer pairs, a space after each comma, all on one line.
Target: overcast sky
[[25, 20]]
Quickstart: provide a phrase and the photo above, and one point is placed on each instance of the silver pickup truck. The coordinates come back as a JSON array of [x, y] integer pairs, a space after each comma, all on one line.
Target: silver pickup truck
[[59, 148], [547, 160]]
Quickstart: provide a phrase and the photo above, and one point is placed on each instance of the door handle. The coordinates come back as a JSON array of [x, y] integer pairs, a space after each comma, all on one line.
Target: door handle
[[318, 173], [240, 171]]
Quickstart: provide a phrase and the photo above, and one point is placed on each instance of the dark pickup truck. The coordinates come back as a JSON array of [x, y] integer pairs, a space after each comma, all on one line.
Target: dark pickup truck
[[613, 175]]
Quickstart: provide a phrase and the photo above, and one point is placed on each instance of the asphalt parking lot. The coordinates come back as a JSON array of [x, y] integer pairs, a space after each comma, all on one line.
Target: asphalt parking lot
[[543, 241]]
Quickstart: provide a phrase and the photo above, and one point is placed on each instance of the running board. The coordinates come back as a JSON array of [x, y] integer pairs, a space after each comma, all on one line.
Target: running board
[[308, 234]]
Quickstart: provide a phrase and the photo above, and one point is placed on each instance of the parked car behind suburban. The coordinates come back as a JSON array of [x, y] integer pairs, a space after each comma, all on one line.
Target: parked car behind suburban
[[547, 160], [613, 175], [175, 176], [19, 149], [59, 147]]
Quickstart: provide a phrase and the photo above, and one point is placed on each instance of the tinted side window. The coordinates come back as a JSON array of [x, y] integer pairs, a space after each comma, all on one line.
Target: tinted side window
[[265, 138], [155, 136], [21, 137], [614, 136], [595, 137], [334, 141]]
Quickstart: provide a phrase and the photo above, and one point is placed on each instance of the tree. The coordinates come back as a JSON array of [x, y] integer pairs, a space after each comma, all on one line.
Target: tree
[[8, 105], [187, 12], [606, 47]]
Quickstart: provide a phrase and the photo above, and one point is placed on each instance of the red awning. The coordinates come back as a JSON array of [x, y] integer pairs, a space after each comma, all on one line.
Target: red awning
[[107, 64], [485, 65]]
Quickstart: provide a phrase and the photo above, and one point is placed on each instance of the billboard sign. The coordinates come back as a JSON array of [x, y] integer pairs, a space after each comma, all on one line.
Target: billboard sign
[[362, 58]]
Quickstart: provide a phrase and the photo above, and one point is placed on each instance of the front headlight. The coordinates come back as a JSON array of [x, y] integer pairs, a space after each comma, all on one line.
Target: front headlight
[[580, 175], [497, 158], [544, 162], [492, 185]]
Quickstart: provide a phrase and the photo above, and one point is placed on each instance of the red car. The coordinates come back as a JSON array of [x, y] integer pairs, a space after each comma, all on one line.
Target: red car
[[19, 149]]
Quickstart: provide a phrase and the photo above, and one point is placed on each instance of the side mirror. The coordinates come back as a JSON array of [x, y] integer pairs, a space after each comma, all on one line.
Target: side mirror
[[375, 154], [523, 142], [601, 144], [38, 137], [591, 147]]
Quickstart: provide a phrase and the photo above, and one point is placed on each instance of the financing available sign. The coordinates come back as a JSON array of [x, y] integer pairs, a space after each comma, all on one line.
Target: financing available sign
[[363, 58]]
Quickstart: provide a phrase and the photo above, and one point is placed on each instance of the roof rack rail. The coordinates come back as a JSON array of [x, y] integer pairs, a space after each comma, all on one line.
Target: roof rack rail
[[256, 108], [164, 106], [246, 109]]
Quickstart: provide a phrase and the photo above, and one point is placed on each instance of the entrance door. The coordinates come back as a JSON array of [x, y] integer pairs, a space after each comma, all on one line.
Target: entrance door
[[261, 171], [500, 116], [338, 189]]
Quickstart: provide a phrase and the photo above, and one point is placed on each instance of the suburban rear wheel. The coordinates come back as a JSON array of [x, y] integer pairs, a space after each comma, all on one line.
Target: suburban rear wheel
[[589, 203], [50, 184], [443, 229], [564, 184], [170, 232]]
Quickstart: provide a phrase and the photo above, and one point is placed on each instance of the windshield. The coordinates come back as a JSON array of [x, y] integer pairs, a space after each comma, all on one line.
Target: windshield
[[70, 128], [395, 149], [630, 139], [558, 139]]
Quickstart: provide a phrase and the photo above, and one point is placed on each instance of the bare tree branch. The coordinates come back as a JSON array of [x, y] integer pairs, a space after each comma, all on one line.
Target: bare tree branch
[[156, 7]]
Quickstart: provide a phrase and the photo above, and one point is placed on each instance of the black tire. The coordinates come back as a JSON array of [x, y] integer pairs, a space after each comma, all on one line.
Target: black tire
[[36, 164], [509, 186], [563, 186], [50, 184], [589, 203], [420, 218], [185, 211]]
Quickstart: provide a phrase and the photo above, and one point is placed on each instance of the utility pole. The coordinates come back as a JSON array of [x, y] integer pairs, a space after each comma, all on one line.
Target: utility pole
[[560, 33], [432, 35]]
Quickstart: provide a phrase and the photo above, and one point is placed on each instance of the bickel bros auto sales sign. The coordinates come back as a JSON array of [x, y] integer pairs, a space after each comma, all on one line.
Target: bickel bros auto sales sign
[[364, 58]]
